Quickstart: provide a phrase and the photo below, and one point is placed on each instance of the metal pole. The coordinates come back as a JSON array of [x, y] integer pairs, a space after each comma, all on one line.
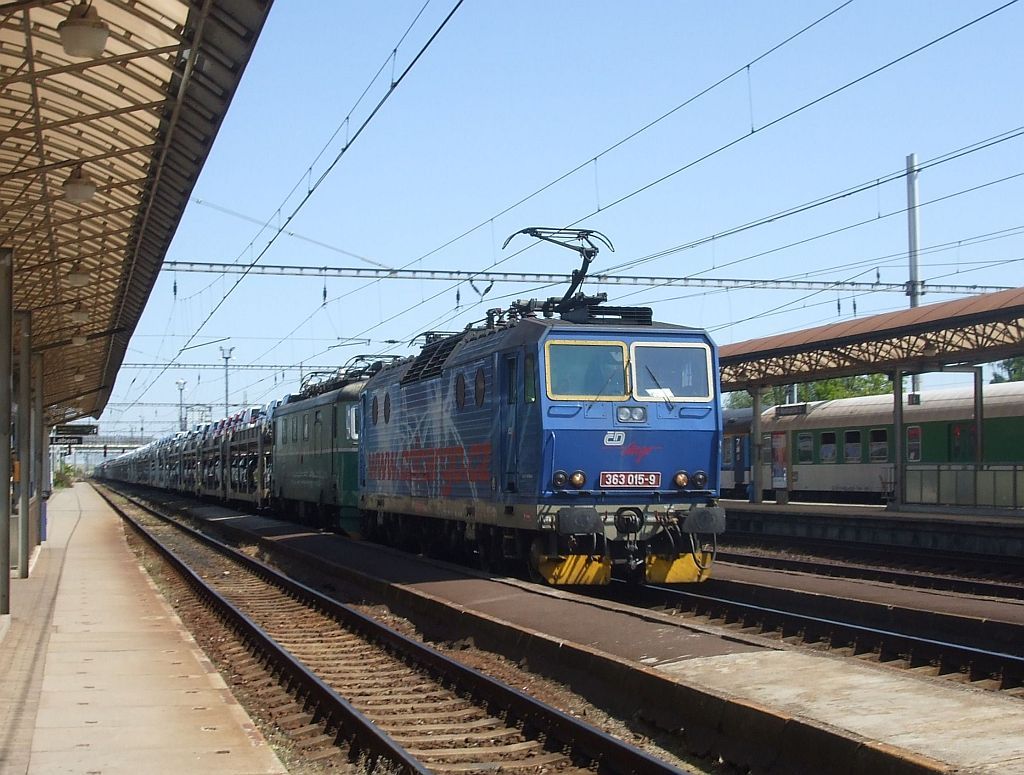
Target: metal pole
[[6, 261], [38, 442], [181, 412], [755, 447], [24, 438], [899, 465], [913, 235], [979, 416], [226, 354]]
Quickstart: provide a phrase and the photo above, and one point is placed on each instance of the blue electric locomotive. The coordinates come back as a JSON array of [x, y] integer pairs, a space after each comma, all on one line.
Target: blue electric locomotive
[[575, 439]]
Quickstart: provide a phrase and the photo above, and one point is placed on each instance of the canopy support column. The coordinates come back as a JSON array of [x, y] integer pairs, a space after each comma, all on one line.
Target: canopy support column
[[756, 472], [6, 264], [899, 468], [24, 441]]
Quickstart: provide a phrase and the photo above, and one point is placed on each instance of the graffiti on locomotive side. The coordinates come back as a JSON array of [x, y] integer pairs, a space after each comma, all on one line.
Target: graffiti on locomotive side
[[447, 464]]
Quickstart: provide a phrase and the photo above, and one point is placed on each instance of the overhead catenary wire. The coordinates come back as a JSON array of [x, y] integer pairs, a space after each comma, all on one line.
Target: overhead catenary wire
[[835, 91], [395, 83], [949, 156], [790, 38], [774, 122]]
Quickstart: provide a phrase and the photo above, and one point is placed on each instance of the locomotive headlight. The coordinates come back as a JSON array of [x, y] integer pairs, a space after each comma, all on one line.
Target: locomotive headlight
[[681, 479], [578, 479], [700, 479], [631, 414], [559, 478]]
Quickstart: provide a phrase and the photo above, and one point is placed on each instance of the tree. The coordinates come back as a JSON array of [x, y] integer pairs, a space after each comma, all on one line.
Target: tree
[[1012, 370], [825, 390]]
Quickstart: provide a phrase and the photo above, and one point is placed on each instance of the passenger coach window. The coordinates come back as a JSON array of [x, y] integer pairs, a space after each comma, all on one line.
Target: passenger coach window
[[804, 448], [878, 449], [914, 444], [828, 447], [851, 447]]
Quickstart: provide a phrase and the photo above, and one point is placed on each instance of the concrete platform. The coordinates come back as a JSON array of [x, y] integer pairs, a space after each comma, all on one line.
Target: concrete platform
[[97, 674]]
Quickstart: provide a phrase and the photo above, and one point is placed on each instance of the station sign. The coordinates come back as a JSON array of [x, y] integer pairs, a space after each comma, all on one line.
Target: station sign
[[69, 440], [790, 410], [76, 429]]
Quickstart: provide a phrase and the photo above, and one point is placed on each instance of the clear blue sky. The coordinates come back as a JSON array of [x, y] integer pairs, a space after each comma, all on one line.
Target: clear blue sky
[[512, 95]]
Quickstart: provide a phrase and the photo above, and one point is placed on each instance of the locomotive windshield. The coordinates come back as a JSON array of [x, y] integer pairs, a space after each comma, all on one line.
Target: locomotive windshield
[[671, 372], [586, 370]]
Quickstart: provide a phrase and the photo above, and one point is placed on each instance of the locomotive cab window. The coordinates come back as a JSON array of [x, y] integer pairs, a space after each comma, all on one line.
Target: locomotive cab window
[[353, 422], [530, 378], [671, 372], [585, 370]]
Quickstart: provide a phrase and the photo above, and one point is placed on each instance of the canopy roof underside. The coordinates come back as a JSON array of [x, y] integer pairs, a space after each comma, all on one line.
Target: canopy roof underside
[[140, 119], [978, 329]]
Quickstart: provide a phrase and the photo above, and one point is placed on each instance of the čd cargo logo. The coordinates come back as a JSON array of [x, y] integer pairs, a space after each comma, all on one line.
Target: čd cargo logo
[[614, 438]]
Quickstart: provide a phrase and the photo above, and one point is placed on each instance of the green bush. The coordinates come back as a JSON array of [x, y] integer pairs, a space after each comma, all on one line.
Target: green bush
[[63, 476]]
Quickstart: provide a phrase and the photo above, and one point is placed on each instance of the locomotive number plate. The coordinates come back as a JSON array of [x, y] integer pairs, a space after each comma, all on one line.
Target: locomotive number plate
[[631, 479]]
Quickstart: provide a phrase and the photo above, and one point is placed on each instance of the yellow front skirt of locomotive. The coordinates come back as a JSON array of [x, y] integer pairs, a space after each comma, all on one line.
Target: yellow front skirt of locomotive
[[559, 570], [678, 569]]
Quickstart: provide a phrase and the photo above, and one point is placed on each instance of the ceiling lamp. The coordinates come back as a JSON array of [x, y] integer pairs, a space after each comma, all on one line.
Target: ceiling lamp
[[79, 187], [83, 34], [76, 278], [79, 315], [79, 339]]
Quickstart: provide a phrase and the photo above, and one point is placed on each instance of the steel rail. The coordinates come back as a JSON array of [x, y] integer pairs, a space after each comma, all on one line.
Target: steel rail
[[349, 723], [610, 753], [964, 561], [832, 568], [890, 644]]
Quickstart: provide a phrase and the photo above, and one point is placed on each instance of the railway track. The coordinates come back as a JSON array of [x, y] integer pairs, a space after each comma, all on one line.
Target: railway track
[[932, 569], [333, 677], [985, 653], [918, 579]]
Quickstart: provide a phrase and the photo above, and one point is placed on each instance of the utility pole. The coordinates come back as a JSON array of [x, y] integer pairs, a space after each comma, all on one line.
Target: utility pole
[[181, 413], [225, 353], [913, 234]]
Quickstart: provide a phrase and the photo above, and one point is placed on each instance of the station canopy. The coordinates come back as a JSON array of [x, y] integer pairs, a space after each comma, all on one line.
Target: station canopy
[[969, 331], [136, 122]]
